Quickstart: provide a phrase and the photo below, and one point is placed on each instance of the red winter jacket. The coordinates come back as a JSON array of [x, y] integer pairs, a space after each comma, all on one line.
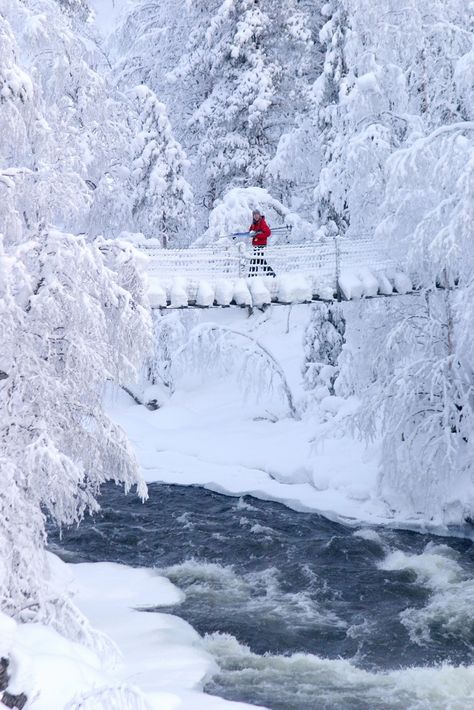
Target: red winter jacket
[[264, 231]]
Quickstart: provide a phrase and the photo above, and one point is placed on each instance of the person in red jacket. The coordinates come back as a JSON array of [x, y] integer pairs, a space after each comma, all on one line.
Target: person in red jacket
[[261, 232], [261, 229]]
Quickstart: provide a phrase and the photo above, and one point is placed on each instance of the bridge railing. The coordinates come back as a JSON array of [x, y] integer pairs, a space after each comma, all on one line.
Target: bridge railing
[[326, 258]]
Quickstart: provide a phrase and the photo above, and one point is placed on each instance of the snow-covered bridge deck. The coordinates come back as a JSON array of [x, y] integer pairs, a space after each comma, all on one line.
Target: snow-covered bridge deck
[[217, 277]]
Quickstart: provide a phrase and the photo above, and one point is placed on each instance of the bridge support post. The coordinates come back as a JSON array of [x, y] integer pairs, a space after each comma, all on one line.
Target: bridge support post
[[337, 253], [243, 261]]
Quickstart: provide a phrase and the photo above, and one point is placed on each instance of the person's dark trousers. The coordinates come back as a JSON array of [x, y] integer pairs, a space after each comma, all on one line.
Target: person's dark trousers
[[259, 263]]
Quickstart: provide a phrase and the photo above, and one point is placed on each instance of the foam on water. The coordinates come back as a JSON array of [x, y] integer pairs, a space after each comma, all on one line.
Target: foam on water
[[436, 567], [307, 682], [449, 611], [257, 593]]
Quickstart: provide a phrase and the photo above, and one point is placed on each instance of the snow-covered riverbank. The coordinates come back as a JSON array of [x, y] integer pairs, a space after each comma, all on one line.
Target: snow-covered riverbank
[[147, 661], [205, 437]]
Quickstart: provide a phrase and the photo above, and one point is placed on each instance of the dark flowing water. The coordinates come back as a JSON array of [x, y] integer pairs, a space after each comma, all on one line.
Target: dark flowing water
[[300, 612]]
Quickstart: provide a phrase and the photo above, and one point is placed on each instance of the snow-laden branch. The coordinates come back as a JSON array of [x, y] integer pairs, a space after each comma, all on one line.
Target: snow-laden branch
[[459, 127], [235, 349]]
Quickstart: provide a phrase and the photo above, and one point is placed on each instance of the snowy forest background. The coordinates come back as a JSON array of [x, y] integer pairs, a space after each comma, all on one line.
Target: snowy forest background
[[353, 117]]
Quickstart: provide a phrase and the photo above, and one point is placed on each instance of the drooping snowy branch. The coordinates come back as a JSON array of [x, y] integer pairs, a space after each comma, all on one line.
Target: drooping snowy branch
[[230, 351]]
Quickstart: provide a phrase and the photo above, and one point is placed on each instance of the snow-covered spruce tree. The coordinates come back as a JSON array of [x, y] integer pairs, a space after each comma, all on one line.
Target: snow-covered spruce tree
[[235, 74], [66, 327], [162, 201], [293, 42], [230, 120], [332, 208], [323, 341]]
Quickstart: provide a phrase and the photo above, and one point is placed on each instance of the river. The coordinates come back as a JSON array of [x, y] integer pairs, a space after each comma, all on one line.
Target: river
[[300, 612]]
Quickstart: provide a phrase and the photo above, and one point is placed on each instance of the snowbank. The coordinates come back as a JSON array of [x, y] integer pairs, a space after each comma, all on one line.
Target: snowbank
[[162, 662]]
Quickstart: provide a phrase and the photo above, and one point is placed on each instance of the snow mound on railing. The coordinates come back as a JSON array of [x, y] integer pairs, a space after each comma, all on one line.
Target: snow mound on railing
[[354, 283]]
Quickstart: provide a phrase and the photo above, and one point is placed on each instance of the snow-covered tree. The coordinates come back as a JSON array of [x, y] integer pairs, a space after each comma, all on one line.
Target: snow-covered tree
[[169, 334], [327, 93], [230, 118], [361, 109], [235, 73], [323, 342], [420, 400], [162, 204], [67, 327], [70, 125]]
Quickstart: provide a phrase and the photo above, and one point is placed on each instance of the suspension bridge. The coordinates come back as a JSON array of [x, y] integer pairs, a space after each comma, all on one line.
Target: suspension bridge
[[234, 275]]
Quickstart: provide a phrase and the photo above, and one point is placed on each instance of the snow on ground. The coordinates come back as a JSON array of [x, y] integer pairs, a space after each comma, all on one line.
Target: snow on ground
[[163, 656], [209, 433], [161, 662], [191, 442]]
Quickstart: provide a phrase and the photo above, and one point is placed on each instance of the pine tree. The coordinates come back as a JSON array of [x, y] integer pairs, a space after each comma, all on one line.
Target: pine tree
[[162, 197], [231, 119], [332, 207], [361, 107]]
